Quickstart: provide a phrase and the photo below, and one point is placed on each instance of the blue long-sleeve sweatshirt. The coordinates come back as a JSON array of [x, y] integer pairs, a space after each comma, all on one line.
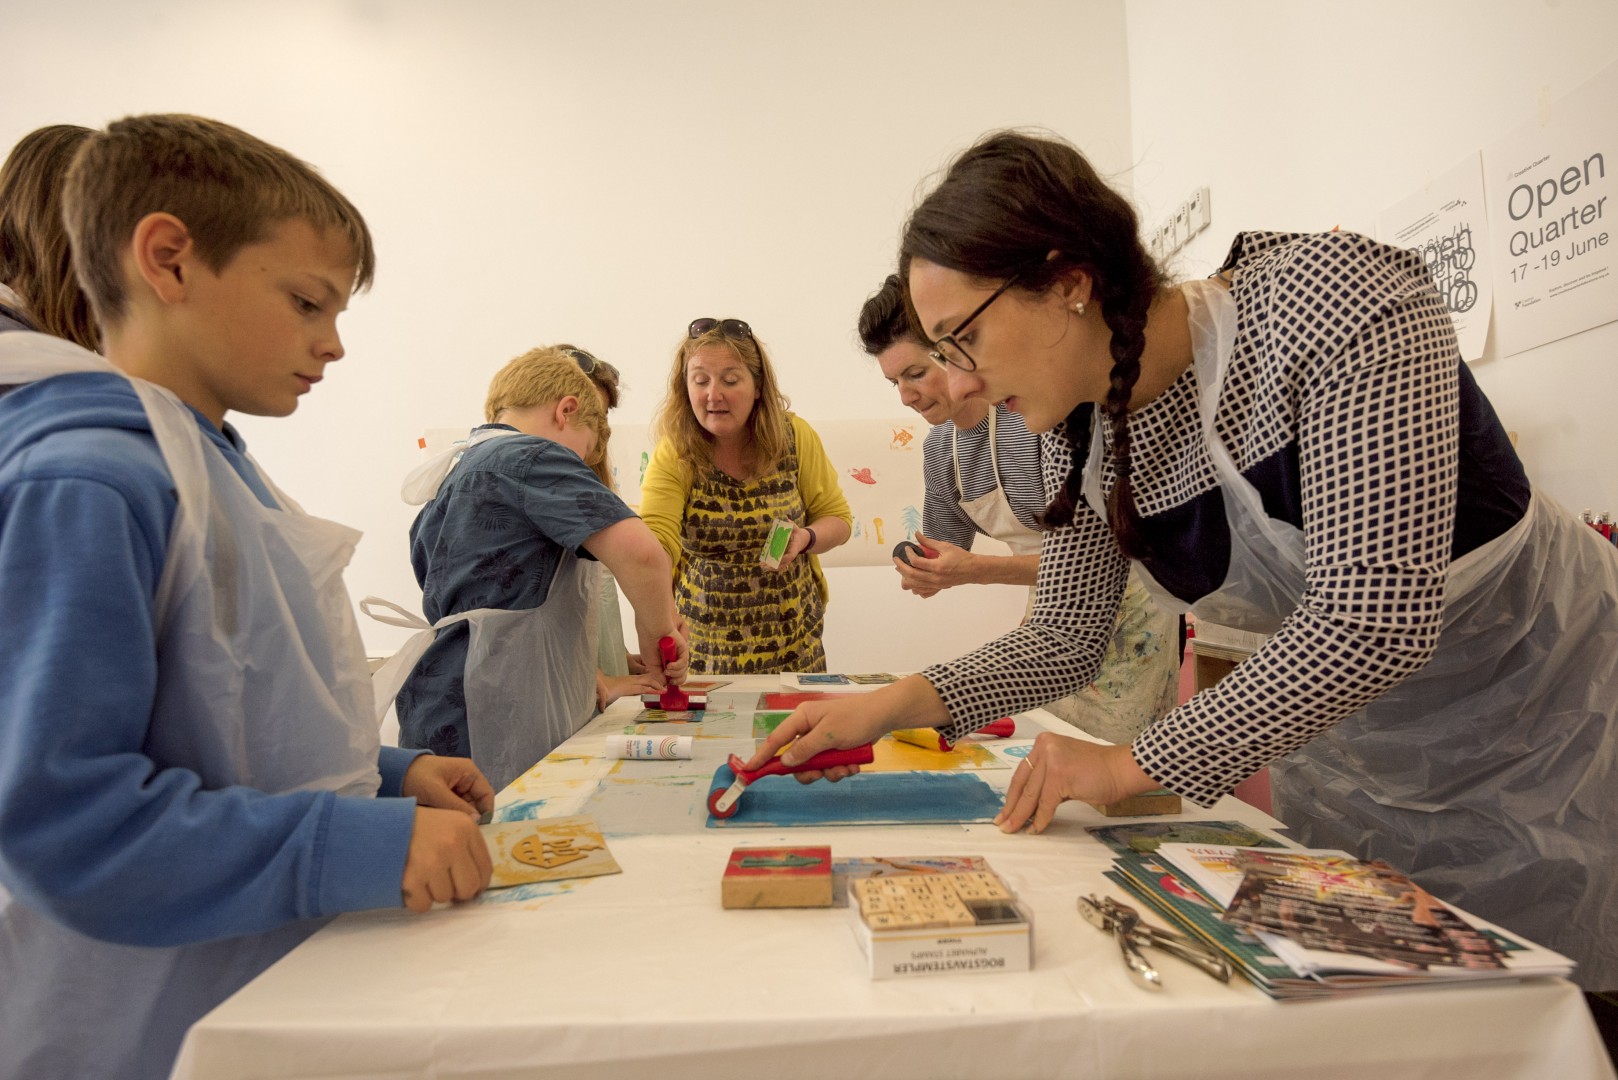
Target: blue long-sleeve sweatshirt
[[94, 831]]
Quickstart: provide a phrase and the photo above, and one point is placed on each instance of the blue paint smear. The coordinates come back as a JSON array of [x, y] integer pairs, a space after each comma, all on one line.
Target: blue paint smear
[[522, 811], [876, 798], [534, 890]]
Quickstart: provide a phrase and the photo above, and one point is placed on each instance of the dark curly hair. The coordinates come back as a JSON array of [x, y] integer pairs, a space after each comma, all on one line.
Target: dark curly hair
[[885, 318], [1003, 206]]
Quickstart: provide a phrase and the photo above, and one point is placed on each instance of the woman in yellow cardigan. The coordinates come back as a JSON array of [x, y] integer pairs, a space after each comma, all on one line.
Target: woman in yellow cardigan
[[730, 461]]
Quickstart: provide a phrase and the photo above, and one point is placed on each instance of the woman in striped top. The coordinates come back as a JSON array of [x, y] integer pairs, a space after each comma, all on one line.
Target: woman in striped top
[[1293, 447]]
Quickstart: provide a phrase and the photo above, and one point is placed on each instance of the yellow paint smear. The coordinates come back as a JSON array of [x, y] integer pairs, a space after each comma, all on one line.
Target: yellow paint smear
[[893, 756]]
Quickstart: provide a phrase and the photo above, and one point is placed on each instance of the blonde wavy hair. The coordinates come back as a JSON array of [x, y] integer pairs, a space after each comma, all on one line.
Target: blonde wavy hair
[[768, 424], [544, 376]]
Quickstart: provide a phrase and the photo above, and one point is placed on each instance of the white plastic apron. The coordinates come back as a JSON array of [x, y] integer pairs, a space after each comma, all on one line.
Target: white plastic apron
[[421, 484], [530, 674], [261, 682], [1492, 773], [612, 654]]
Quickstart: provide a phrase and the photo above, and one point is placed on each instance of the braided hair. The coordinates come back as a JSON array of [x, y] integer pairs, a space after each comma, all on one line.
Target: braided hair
[[1001, 209]]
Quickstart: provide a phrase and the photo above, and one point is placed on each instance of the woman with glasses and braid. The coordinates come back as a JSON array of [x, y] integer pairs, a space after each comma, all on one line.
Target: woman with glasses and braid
[[982, 468], [1293, 446], [730, 462]]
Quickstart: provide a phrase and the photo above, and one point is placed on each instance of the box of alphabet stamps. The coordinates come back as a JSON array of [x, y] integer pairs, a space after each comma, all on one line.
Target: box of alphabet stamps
[[939, 924]]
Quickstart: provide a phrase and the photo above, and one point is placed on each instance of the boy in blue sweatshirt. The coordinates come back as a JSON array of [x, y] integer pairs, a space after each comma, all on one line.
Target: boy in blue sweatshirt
[[190, 778]]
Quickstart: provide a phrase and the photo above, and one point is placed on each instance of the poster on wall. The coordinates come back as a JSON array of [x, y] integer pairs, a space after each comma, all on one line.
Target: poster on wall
[[1446, 224], [879, 466], [1552, 202]]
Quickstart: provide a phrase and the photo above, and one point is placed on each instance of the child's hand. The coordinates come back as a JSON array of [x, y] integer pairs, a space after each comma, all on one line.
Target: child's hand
[[448, 783], [609, 688], [448, 859]]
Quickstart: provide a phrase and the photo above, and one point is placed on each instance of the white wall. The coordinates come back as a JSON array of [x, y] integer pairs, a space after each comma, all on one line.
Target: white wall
[[599, 173], [1304, 115]]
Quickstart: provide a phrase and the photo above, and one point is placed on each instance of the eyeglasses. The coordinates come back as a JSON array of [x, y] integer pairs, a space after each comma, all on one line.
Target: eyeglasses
[[734, 329], [946, 350], [590, 364]]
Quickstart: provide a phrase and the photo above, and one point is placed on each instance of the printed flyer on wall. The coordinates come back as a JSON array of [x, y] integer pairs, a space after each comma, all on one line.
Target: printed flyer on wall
[[1446, 224], [1552, 207]]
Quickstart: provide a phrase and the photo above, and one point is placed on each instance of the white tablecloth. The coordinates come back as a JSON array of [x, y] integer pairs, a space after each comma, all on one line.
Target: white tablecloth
[[644, 974]]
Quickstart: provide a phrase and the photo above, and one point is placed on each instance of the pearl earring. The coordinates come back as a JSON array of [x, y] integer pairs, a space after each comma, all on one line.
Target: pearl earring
[[1078, 308]]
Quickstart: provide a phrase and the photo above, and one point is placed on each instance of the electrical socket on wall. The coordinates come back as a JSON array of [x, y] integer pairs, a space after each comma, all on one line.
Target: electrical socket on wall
[[1176, 230]]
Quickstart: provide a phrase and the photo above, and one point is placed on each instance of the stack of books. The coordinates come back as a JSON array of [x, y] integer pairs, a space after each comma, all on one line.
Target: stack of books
[[1311, 924]]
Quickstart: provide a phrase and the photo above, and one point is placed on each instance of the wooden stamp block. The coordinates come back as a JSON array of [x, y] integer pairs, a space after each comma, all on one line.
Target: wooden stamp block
[[777, 877], [1146, 804]]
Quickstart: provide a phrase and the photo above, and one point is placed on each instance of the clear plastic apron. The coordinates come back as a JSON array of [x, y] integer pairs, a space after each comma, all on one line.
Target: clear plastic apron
[[261, 682], [529, 683], [1492, 773]]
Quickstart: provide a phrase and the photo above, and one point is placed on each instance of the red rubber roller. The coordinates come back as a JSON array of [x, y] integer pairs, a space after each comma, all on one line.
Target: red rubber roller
[[722, 800]]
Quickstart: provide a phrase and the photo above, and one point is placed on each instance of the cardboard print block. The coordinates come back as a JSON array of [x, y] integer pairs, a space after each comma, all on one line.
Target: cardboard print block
[[546, 849]]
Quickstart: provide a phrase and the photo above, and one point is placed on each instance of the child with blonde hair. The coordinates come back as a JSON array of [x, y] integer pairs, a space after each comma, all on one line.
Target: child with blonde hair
[[507, 667]]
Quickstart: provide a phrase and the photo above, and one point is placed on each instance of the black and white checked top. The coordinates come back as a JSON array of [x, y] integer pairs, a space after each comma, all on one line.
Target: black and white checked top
[[1347, 406], [1017, 449]]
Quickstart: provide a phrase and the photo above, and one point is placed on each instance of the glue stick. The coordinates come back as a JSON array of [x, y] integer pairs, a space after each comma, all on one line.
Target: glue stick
[[661, 747]]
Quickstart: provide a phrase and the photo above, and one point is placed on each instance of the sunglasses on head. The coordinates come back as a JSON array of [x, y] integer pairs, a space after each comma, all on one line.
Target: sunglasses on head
[[731, 328], [590, 364]]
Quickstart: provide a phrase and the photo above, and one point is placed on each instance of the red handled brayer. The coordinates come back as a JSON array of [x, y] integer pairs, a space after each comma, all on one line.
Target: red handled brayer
[[722, 800], [903, 549], [931, 739], [674, 699]]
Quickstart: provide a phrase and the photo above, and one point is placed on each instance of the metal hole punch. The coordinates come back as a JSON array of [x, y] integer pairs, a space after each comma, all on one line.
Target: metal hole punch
[[1125, 925]]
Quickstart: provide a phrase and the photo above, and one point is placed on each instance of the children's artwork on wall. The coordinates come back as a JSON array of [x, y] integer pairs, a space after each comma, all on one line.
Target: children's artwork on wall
[[878, 464]]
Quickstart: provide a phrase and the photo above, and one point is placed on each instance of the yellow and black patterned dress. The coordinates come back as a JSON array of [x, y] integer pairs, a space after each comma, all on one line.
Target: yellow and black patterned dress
[[744, 618]]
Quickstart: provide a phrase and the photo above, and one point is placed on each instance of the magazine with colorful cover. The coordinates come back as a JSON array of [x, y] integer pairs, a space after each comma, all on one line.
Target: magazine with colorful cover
[[1348, 906], [1360, 949], [1185, 908]]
